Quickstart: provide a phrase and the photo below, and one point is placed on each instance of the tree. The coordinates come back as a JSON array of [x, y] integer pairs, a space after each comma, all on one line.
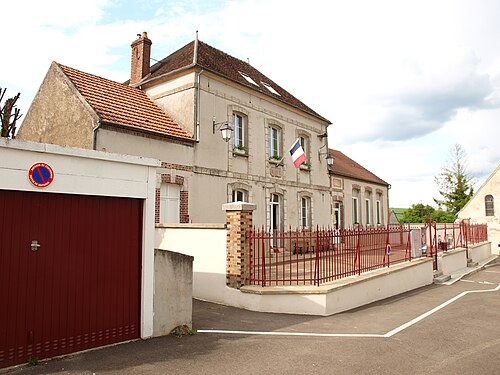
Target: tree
[[454, 182], [418, 213], [9, 114]]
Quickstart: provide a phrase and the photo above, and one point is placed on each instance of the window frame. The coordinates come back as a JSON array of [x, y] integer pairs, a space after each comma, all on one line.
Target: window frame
[[275, 150], [489, 205], [239, 132], [355, 210], [305, 212], [378, 206], [305, 144], [243, 192], [368, 211]]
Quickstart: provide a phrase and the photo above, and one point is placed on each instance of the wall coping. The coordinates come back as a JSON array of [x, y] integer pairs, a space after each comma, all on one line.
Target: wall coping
[[77, 152], [239, 206], [334, 285], [192, 226]]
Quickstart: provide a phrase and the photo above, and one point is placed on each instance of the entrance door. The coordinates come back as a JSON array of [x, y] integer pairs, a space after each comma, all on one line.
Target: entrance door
[[169, 203], [69, 273]]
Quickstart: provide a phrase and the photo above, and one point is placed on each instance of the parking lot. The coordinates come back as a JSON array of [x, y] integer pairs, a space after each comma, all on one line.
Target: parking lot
[[445, 329]]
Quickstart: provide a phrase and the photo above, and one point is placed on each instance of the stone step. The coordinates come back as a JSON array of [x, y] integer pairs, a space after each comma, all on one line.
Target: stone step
[[441, 279], [471, 264]]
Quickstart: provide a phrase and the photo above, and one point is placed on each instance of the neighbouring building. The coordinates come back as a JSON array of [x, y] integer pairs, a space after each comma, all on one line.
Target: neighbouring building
[[359, 197], [483, 207], [174, 110]]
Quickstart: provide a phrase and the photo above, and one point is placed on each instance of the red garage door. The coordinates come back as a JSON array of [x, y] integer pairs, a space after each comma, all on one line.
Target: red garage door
[[69, 273]]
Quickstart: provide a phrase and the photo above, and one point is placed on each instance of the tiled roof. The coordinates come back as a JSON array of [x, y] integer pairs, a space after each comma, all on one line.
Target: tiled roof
[[220, 63], [346, 167], [120, 104]]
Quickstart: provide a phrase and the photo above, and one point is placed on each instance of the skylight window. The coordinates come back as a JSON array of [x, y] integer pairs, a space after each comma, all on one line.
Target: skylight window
[[248, 78], [270, 88]]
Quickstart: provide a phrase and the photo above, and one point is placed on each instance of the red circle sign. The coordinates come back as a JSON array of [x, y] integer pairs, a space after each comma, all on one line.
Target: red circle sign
[[41, 175]]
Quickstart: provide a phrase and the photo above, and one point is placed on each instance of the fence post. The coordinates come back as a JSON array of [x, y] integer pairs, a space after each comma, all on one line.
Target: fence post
[[239, 222]]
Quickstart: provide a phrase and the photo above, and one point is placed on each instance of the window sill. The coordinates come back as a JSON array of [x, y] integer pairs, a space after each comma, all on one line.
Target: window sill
[[238, 152], [305, 168], [275, 162]]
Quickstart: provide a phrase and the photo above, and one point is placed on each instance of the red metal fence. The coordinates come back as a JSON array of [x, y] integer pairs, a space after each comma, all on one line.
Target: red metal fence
[[313, 257]]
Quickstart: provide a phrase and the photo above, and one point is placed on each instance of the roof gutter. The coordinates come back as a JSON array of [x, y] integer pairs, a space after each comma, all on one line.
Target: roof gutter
[[142, 130]]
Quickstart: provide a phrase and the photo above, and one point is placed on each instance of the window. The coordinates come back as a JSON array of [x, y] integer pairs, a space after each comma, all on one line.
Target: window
[[169, 203], [275, 202], [355, 210], [240, 195], [239, 128], [248, 78], [489, 205], [274, 142], [336, 216], [270, 88], [379, 212], [368, 211], [305, 212], [304, 142]]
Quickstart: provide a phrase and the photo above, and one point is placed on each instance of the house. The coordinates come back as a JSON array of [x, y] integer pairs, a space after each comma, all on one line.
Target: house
[[358, 195], [483, 208], [175, 111], [396, 215]]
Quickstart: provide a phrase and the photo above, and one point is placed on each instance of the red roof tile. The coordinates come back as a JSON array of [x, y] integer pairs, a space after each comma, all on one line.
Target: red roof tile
[[120, 104], [346, 167], [220, 63]]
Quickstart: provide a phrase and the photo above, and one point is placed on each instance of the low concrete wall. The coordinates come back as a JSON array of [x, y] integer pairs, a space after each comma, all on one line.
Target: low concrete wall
[[480, 252], [207, 244], [341, 295], [451, 261], [173, 291]]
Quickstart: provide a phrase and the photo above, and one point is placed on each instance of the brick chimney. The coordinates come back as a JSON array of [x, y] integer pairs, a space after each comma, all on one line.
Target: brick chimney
[[141, 52]]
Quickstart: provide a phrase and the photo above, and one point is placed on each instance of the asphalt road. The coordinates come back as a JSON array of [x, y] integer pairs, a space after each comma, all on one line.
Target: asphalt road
[[433, 330]]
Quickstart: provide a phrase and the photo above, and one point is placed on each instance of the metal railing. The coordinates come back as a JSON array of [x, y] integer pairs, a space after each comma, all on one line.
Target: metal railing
[[313, 257]]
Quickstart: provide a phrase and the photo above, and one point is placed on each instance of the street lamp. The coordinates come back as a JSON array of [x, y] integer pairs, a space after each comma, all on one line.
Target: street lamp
[[224, 127]]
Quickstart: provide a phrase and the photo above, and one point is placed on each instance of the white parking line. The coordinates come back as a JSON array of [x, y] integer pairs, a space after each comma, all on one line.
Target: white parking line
[[363, 335]]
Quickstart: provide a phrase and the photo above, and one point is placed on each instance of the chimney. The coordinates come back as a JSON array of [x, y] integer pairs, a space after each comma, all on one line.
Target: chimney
[[141, 52]]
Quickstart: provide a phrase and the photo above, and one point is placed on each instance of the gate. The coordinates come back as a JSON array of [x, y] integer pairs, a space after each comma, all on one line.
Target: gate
[[69, 273]]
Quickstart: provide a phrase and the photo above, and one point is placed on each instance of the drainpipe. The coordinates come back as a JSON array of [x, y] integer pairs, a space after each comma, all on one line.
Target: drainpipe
[[196, 135], [94, 134]]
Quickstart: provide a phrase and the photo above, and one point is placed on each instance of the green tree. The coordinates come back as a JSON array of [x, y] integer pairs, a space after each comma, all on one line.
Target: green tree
[[454, 182], [419, 213]]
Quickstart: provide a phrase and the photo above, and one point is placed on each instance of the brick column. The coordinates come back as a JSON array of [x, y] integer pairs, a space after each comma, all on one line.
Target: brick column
[[239, 221]]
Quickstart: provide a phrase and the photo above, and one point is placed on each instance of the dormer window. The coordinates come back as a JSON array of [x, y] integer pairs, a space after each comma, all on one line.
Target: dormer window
[[270, 88], [248, 78]]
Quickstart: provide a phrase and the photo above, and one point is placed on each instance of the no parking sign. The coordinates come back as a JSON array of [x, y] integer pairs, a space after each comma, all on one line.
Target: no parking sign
[[41, 174]]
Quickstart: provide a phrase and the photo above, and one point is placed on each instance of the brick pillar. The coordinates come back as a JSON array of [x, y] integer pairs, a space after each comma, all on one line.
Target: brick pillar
[[239, 221]]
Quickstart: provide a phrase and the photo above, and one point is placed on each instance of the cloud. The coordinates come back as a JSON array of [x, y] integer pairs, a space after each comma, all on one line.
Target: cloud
[[427, 104]]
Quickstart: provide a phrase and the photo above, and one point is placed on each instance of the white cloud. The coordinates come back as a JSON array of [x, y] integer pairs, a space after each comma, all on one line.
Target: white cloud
[[401, 81]]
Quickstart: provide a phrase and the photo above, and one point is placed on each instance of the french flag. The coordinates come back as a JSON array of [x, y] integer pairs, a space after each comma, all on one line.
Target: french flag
[[298, 154]]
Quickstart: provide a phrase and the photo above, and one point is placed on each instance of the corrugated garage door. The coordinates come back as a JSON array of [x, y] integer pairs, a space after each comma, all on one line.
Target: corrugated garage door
[[80, 288]]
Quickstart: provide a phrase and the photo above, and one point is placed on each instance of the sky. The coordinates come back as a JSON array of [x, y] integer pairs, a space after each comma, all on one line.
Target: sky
[[401, 81]]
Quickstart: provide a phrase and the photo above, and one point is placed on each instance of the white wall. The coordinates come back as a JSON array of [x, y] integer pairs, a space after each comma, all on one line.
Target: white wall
[[87, 172], [475, 209], [207, 243]]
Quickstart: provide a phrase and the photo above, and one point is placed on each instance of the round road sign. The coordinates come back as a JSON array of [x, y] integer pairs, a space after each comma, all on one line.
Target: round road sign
[[41, 174]]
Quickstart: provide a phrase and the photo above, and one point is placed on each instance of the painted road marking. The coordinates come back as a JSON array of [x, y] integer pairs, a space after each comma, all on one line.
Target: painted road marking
[[386, 335]]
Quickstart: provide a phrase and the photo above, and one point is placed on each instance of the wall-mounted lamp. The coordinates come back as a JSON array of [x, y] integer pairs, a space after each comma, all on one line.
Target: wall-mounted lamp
[[224, 127], [329, 158]]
